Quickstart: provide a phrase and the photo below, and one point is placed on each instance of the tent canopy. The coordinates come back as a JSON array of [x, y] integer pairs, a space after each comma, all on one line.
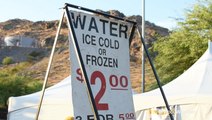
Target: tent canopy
[[193, 86], [57, 103]]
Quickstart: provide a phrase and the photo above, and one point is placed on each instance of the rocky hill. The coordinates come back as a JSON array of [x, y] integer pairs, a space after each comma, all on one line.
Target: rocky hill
[[45, 31]]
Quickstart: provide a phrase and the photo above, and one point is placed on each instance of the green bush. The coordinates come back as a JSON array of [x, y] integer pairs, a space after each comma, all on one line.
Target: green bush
[[34, 55], [7, 61], [13, 82], [8, 27], [15, 86]]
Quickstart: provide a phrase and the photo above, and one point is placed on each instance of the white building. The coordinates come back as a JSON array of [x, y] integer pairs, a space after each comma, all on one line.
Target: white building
[[20, 41]]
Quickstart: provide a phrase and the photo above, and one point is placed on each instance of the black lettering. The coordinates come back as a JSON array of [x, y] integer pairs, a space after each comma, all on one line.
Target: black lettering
[[116, 44], [103, 52], [93, 25], [110, 62], [113, 28], [101, 41], [105, 63], [115, 63], [93, 58], [85, 39], [101, 116], [78, 20], [79, 118], [90, 117], [109, 117], [88, 58], [123, 30], [101, 61], [103, 25], [93, 40], [106, 41], [111, 44], [89, 39]]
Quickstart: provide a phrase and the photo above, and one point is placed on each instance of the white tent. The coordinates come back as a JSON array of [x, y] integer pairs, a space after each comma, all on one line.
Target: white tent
[[191, 92], [57, 104]]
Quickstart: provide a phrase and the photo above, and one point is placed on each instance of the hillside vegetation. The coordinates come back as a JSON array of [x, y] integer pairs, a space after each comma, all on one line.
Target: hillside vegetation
[[14, 83], [186, 44]]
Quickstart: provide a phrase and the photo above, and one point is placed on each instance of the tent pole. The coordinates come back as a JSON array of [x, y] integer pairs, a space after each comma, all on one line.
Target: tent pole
[[49, 65], [81, 64], [143, 53], [156, 75]]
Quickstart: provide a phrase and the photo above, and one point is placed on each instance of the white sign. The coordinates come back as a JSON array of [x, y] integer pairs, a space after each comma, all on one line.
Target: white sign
[[104, 45]]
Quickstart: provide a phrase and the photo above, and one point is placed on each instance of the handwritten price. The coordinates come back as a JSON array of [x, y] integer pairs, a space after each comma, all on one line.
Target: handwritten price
[[127, 116], [116, 83]]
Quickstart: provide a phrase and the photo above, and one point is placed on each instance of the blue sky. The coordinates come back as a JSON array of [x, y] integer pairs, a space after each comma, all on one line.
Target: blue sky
[[160, 12]]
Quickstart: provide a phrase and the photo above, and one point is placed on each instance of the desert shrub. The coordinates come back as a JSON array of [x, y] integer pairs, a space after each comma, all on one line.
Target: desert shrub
[[34, 55], [15, 86], [8, 27], [14, 83], [7, 61], [50, 25]]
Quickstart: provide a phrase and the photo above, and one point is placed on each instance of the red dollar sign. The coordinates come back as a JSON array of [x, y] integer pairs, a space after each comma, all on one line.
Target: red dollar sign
[[79, 72]]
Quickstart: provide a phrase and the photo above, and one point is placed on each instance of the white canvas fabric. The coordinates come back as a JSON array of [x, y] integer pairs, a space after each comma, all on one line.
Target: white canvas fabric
[[193, 88], [57, 104]]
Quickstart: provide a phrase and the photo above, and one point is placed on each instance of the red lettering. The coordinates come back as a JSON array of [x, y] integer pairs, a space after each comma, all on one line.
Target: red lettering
[[98, 74], [79, 72]]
